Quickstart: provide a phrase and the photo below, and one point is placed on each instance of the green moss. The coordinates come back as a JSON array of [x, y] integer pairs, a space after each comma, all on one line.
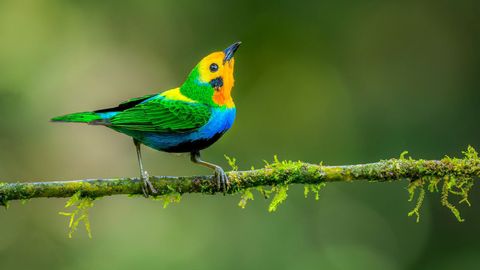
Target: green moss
[[445, 202], [264, 192], [168, 199], [171, 197], [403, 154], [458, 184], [471, 154], [315, 189], [79, 214], [333, 172], [284, 173], [414, 185], [232, 162], [279, 197], [245, 196], [452, 177], [433, 184]]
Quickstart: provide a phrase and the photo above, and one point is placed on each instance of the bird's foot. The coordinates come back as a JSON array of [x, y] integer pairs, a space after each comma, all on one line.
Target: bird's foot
[[222, 179], [147, 186]]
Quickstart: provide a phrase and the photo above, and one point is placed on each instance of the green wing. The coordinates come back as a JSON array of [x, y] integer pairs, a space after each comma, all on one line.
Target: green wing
[[163, 115]]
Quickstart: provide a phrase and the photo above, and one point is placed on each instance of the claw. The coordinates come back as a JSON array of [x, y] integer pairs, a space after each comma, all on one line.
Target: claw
[[147, 186], [222, 179], [145, 193]]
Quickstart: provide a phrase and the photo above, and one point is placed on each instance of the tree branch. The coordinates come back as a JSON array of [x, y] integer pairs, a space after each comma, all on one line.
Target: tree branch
[[275, 174]]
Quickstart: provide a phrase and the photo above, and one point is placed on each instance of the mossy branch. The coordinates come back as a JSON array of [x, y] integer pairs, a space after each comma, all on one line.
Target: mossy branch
[[456, 175], [274, 174]]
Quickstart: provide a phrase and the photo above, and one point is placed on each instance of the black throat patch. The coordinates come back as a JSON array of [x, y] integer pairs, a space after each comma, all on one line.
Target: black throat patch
[[217, 83]]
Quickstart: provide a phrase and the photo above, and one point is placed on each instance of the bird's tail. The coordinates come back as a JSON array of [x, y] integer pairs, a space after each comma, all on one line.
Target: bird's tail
[[81, 117]]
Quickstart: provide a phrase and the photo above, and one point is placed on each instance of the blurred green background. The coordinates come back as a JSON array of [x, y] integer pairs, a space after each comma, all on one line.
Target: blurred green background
[[335, 81]]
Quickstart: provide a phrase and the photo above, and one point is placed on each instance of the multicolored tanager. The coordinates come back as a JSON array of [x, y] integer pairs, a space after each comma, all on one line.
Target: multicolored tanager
[[185, 119]]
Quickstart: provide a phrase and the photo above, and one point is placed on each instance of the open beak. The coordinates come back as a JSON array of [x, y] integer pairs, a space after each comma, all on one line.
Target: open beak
[[230, 51]]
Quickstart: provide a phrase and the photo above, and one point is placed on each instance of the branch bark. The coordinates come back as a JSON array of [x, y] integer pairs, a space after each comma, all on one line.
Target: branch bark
[[277, 173]]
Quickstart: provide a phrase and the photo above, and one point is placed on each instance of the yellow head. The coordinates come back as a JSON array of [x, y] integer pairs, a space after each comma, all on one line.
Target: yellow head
[[211, 81]]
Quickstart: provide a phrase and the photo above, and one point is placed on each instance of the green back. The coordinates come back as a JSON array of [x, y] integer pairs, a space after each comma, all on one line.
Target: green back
[[163, 115]]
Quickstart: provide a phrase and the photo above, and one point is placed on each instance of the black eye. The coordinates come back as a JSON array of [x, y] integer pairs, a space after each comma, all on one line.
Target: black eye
[[213, 67]]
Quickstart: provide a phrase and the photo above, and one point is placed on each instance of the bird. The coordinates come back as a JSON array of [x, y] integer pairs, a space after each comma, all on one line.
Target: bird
[[185, 119]]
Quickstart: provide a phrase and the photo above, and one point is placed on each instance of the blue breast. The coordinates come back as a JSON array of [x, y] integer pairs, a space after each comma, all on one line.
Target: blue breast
[[220, 121]]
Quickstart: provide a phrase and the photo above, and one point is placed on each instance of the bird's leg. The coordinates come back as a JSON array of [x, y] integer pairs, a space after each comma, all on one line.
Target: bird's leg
[[222, 179], [147, 186]]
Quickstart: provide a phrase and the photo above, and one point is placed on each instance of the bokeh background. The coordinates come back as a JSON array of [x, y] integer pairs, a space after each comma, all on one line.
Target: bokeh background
[[335, 81]]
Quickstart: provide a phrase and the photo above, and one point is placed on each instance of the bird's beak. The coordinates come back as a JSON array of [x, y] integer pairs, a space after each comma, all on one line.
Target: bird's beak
[[230, 51]]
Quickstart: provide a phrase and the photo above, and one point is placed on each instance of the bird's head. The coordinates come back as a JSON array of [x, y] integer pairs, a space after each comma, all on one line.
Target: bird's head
[[211, 81]]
